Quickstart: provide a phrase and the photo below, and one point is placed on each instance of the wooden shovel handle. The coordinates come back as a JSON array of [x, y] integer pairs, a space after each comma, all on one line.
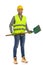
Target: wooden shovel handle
[[16, 34], [8, 35]]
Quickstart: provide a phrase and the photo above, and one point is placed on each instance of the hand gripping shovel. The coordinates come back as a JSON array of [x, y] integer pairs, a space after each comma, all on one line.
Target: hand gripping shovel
[[36, 30]]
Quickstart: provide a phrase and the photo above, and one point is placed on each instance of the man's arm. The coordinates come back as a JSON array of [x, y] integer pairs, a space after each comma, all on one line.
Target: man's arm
[[28, 29], [11, 23]]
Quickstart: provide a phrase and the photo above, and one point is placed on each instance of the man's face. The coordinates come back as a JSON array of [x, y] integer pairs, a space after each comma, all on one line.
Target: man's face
[[20, 11]]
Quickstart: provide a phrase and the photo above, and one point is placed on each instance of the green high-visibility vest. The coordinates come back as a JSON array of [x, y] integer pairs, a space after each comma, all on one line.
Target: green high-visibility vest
[[20, 25]]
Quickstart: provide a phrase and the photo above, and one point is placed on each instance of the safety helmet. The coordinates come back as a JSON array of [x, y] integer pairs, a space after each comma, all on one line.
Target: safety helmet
[[19, 7]]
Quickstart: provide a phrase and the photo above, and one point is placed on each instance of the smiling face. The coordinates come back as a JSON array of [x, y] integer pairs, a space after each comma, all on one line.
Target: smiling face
[[20, 11]]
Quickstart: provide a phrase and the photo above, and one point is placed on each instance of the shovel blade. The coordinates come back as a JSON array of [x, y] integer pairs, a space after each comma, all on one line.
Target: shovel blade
[[36, 29]]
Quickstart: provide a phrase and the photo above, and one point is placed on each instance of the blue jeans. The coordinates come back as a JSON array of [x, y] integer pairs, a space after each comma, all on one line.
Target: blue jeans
[[22, 41]]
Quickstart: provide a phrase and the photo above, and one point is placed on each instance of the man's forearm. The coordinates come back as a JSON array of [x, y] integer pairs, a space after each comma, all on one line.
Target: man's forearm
[[10, 27], [27, 28]]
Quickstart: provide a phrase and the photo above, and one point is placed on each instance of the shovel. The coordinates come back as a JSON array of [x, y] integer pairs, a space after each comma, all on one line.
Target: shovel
[[36, 30]]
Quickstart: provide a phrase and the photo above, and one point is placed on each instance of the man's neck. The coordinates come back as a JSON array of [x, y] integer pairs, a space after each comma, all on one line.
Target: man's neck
[[20, 14]]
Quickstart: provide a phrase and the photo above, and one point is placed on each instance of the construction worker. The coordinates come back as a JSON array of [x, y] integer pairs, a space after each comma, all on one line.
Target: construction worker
[[19, 25]]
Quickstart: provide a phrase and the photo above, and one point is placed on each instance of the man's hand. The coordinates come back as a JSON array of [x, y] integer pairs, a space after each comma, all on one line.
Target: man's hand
[[30, 31]]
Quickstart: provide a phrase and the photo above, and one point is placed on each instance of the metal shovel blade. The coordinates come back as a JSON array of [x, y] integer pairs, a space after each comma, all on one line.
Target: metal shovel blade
[[36, 29]]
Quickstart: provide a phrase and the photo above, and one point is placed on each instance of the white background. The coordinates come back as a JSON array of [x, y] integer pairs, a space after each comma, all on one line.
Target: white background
[[33, 9]]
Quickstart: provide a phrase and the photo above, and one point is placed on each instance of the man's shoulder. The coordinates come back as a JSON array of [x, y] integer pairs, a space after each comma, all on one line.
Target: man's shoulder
[[13, 16]]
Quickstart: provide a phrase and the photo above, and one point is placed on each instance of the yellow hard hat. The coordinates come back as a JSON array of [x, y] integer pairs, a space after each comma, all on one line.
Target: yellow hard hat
[[20, 7]]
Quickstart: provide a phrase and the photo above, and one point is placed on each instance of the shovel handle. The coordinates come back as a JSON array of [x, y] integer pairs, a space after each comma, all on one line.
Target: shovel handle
[[16, 34], [19, 33], [8, 35]]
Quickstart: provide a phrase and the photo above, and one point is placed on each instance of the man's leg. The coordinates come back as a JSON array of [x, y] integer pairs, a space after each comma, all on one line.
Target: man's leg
[[16, 37], [22, 42]]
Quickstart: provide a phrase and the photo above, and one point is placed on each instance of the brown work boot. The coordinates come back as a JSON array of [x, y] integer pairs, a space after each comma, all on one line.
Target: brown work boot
[[24, 60], [15, 60]]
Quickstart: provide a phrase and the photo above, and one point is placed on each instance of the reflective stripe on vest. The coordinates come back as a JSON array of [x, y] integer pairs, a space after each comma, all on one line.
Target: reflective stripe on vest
[[19, 29], [20, 25]]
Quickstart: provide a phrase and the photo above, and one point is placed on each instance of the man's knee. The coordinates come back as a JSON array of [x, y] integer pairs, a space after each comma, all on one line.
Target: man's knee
[[16, 46]]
